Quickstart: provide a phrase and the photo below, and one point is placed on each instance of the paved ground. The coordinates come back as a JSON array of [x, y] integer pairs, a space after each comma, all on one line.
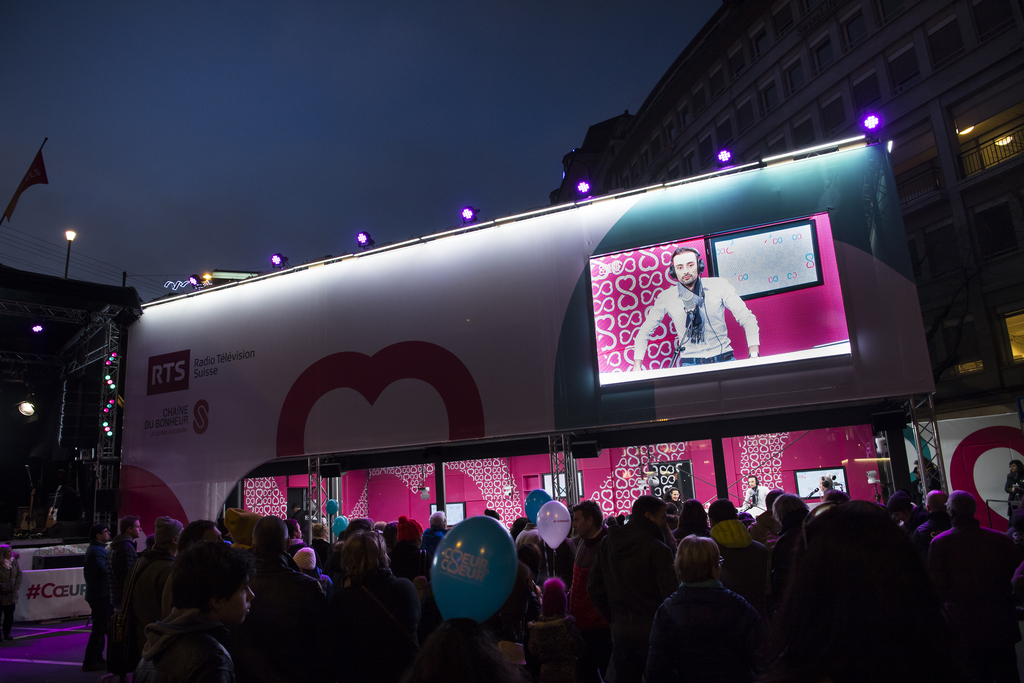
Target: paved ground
[[47, 651]]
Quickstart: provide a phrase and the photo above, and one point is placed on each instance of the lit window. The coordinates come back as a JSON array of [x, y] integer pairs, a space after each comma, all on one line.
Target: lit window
[[1015, 329]]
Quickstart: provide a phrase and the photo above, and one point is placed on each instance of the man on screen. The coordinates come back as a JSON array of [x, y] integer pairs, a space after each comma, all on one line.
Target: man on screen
[[697, 307]]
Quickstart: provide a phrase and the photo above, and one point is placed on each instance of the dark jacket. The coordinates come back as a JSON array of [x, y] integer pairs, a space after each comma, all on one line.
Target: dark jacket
[[918, 516], [185, 649], [782, 555], [377, 618], [520, 607], [580, 605], [745, 562], [97, 583], [683, 530], [632, 575], [431, 539], [285, 624], [556, 643], [408, 561], [120, 559], [704, 632], [10, 583], [936, 523], [972, 570], [322, 549], [151, 575]]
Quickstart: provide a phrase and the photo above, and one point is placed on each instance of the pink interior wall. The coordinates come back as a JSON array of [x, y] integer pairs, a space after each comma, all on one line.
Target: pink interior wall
[[614, 479]]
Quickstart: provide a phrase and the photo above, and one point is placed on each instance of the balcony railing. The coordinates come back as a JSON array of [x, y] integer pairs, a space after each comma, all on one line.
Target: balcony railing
[[919, 185], [1005, 146]]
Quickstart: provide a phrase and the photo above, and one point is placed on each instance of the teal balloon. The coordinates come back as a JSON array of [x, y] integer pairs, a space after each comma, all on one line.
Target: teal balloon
[[534, 502], [474, 569], [340, 524], [331, 507]]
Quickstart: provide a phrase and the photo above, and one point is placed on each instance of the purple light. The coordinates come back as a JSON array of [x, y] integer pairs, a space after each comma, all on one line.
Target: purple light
[[724, 156], [362, 238], [583, 187], [276, 260], [37, 328], [193, 280], [871, 121], [468, 214]]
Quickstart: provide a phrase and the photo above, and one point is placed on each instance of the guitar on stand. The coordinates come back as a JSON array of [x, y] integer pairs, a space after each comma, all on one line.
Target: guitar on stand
[[51, 516], [27, 522]]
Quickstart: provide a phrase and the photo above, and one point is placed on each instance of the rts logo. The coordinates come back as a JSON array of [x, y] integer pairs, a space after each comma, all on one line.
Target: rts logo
[[168, 372]]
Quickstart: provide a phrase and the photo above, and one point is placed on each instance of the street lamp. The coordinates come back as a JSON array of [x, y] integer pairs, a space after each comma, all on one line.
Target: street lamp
[[70, 234]]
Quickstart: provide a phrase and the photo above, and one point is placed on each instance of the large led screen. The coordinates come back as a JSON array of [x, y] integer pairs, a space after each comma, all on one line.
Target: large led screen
[[768, 294]]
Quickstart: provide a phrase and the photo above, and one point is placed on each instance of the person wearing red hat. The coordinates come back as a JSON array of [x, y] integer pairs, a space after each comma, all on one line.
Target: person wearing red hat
[[407, 559]]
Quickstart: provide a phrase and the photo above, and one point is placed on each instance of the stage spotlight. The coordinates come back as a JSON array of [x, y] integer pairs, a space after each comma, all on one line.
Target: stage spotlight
[[27, 408], [364, 240], [871, 122], [194, 281], [37, 327], [724, 157], [583, 187], [278, 261], [468, 214]]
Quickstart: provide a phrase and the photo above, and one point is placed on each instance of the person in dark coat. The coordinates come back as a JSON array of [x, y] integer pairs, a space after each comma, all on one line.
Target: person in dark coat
[[374, 613], [703, 632], [210, 594], [295, 542], [321, 546], [744, 567], [286, 623], [432, 536], [151, 575], [693, 519], [10, 583], [97, 594], [937, 522], [588, 523], [122, 556], [407, 560], [791, 511], [1014, 488], [631, 576], [554, 639], [972, 570], [902, 508]]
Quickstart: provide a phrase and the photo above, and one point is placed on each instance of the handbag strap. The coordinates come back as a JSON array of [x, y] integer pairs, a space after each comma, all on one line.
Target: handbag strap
[[400, 625]]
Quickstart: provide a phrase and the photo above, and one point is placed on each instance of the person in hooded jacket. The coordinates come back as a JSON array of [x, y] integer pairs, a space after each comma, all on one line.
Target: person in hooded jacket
[[765, 529], [432, 536], [631, 576], [554, 639], [210, 594], [744, 567], [791, 512], [588, 524]]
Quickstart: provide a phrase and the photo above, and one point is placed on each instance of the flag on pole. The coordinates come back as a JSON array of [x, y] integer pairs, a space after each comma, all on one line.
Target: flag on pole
[[36, 175]]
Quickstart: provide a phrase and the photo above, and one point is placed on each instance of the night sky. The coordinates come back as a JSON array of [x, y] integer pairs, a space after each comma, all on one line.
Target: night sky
[[190, 136]]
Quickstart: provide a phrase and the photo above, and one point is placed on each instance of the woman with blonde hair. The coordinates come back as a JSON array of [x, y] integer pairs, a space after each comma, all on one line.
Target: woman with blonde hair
[[703, 632], [377, 614]]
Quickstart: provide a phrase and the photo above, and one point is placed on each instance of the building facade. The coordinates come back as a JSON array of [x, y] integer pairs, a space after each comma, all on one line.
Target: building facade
[[946, 79]]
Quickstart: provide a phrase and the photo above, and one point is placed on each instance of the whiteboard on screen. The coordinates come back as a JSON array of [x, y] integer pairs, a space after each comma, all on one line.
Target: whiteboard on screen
[[769, 260]]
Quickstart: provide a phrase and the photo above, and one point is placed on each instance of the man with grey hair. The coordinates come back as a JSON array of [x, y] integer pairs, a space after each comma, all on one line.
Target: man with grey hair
[[972, 569], [152, 573], [432, 536]]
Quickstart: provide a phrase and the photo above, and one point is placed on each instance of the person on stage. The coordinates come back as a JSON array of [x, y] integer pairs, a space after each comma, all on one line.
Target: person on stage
[[754, 497], [697, 307]]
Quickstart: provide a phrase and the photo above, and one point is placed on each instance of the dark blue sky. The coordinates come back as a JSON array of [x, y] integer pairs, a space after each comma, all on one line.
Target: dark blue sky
[[190, 136]]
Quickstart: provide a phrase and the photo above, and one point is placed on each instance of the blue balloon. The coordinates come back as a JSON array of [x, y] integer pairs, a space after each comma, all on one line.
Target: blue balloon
[[331, 507], [474, 569], [340, 524], [534, 502]]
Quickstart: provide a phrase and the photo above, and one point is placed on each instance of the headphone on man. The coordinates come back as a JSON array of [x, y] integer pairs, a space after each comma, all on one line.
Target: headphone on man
[[701, 266]]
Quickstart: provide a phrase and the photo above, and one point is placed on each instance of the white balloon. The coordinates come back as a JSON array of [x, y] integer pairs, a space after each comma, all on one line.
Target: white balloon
[[554, 523]]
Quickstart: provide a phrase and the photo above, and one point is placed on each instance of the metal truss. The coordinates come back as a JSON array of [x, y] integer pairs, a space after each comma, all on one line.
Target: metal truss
[[42, 311], [563, 470], [314, 493], [107, 460], [15, 358], [926, 436]]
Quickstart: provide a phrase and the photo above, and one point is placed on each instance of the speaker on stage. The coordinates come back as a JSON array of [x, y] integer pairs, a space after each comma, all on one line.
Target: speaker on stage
[[108, 500], [80, 411], [6, 532]]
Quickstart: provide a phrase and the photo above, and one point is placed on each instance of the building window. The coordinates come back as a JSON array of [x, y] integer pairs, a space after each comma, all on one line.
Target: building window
[[915, 258], [794, 74], [690, 163], [684, 114], [991, 17], [945, 42], [822, 52], [941, 246], [673, 173], [866, 91], [717, 81], [777, 146], [645, 159], [759, 42], [782, 19], [855, 29], [769, 96], [745, 115], [700, 99], [656, 144], [706, 150], [670, 130], [996, 234], [803, 133], [737, 62], [888, 9], [723, 132], [833, 115], [1015, 331], [903, 69], [961, 340]]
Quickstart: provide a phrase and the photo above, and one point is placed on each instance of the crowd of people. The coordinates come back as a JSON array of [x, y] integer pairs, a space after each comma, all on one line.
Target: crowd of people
[[849, 591]]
